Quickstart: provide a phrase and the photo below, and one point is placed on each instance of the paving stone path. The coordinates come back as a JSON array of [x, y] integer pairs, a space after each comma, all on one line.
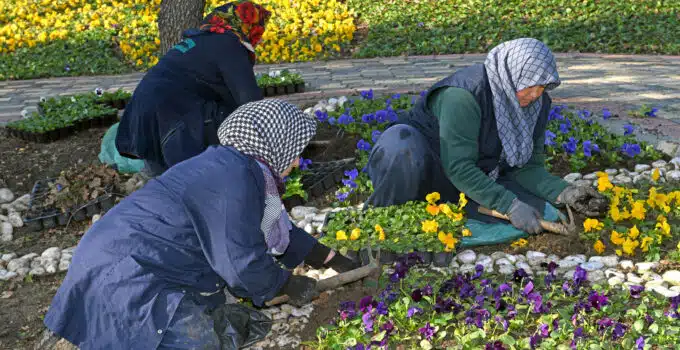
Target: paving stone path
[[617, 80]]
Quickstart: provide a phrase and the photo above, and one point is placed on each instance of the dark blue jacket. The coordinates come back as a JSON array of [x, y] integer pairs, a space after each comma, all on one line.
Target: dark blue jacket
[[195, 229], [176, 109]]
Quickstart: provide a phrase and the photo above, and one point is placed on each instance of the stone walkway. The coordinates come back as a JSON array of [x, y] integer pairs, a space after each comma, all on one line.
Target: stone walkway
[[608, 80]]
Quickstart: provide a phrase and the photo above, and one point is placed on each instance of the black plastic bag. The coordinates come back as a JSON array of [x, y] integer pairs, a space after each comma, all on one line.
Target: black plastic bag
[[239, 326]]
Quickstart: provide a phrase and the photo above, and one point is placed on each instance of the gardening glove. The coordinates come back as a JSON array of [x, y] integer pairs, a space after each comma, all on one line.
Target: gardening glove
[[584, 200], [341, 263], [319, 253], [300, 289], [524, 217]]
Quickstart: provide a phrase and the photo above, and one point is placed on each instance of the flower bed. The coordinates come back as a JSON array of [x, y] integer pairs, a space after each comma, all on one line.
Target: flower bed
[[642, 220], [280, 83], [60, 117], [80, 37], [428, 228], [312, 180], [447, 26], [574, 139], [471, 310]]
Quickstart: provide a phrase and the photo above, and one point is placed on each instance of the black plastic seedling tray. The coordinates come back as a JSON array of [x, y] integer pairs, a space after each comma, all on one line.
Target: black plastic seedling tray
[[42, 217], [283, 89], [321, 178], [61, 133]]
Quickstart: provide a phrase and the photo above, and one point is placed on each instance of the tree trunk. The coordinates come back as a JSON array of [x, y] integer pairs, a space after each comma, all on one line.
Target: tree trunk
[[175, 17]]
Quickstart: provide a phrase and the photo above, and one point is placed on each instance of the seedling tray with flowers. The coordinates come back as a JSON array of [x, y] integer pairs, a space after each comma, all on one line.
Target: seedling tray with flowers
[[117, 99], [281, 82], [429, 229], [61, 117], [76, 194], [313, 180]]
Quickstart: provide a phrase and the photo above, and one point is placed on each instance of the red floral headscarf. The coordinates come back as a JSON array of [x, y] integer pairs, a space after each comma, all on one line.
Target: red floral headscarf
[[243, 18]]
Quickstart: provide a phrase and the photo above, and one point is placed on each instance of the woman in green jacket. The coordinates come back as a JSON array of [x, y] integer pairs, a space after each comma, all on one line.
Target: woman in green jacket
[[481, 131]]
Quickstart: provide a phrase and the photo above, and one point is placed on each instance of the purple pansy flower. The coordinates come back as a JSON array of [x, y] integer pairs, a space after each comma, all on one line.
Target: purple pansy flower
[[427, 332], [619, 330], [635, 291], [412, 311], [497, 345], [368, 118], [606, 114], [627, 129], [363, 145], [305, 163], [640, 343], [375, 135], [597, 300], [367, 95], [367, 319], [322, 116], [652, 113], [570, 147], [631, 150], [381, 116]]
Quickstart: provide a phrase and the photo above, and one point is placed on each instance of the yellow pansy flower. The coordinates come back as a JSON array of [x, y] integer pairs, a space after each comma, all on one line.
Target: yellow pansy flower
[[638, 211], [616, 238], [445, 209], [644, 243], [381, 232], [432, 209], [430, 226], [341, 236], [656, 174], [633, 233], [462, 201], [519, 243], [629, 246], [466, 233], [433, 197], [455, 217], [664, 227], [603, 183], [448, 240], [599, 247], [592, 225], [355, 234]]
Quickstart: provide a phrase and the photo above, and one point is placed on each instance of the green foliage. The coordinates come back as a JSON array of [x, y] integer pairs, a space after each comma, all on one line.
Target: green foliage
[[90, 53], [399, 228], [577, 137], [451, 26], [294, 185], [63, 112], [279, 78]]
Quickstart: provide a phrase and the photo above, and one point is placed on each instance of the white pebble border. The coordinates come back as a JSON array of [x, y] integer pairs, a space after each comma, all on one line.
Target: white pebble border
[[669, 172]]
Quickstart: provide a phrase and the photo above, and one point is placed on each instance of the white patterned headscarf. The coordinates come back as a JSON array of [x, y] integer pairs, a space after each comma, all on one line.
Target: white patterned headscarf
[[275, 133], [512, 66]]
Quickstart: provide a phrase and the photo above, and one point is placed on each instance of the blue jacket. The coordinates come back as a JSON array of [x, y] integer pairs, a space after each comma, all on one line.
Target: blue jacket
[[180, 103], [195, 229]]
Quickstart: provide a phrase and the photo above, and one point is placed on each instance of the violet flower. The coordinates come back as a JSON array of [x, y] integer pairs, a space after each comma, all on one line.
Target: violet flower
[[367, 319], [365, 303], [417, 295], [604, 324], [597, 300], [427, 332], [528, 288], [502, 321], [497, 345], [322, 116], [533, 341], [479, 269], [606, 114], [635, 291], [427, 290], [412, 311], [347, 310], [504, 288], [640, 343], [519, 275], [381, 308], [619, 330], [580, 276]]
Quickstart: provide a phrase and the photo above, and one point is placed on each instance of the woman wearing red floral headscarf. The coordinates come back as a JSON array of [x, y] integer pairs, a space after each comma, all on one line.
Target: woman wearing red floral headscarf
[[176, 109]]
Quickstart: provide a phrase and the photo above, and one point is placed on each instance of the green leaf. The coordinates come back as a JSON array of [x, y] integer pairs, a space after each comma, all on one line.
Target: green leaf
[[639, 325], [654, 328], [507, 339]]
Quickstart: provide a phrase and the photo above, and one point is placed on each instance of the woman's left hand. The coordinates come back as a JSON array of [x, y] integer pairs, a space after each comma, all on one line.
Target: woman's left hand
[[341, 263], [583, 199]]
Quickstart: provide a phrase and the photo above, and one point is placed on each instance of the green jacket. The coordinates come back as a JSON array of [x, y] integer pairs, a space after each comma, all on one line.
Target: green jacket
[[459, 118]]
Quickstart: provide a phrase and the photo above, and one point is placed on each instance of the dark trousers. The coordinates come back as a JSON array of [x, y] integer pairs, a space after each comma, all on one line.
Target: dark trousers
[[403, 167]]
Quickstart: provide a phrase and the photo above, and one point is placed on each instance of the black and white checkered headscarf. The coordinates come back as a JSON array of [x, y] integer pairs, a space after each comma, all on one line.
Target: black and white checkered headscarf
[[511, 67], [273, 130]]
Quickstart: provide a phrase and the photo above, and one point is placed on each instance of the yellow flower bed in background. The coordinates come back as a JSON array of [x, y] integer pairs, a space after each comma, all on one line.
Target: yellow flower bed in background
[[299, 30]]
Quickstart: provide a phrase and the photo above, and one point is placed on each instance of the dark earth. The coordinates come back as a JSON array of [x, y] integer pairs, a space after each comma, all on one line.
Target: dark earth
[[24, 303]]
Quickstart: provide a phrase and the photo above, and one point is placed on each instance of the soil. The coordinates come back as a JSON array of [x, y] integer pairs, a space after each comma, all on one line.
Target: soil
[[22, 163], [24, 304], [329, 145], [326, 308]]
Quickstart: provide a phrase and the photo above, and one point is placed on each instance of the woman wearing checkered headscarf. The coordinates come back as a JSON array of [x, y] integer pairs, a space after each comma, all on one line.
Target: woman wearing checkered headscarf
[[158, 262], [481, 132]]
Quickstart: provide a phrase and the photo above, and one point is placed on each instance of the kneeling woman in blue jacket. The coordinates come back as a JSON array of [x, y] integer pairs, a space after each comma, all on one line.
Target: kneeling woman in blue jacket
[[149, 273]]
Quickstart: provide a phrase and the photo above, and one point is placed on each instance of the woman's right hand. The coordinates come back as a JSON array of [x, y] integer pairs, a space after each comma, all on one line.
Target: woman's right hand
[[300, 289], [524, 217]]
